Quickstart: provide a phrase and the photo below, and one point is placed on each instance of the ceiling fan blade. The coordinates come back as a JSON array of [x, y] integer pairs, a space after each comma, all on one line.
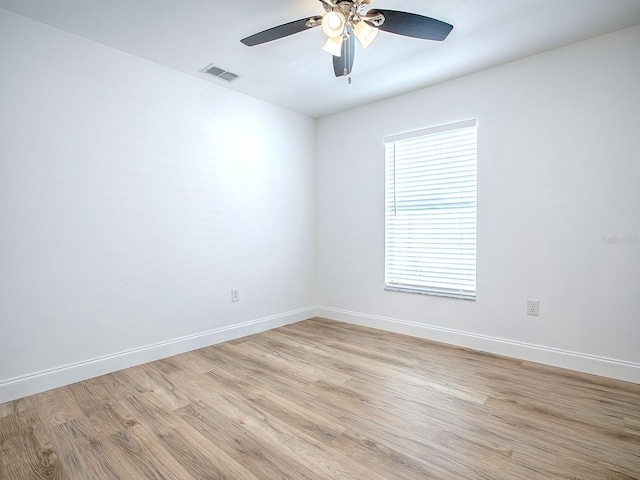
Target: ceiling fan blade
[[344, 64], [413, 25], [280, 31]]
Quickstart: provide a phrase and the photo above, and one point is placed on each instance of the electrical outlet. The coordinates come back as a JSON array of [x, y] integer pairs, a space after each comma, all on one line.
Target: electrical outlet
[[235, 295], [533, 307]]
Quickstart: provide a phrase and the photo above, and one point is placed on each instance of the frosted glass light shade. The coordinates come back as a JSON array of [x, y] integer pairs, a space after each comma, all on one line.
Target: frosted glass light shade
[[333, 24], [365, 33], [333, 46]]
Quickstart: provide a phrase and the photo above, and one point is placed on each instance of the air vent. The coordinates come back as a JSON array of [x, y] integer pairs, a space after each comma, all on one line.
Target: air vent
[[228, 76], [220, 73]]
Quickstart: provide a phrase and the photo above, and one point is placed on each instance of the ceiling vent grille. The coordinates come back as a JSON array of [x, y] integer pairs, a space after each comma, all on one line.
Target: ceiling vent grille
[[220, 73]]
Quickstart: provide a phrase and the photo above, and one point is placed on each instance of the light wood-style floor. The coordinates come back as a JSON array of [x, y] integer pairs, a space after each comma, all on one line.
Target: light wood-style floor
[[326, 400]]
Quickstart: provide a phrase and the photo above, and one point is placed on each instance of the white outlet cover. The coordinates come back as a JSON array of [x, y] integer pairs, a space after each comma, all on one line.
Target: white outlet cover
[[533, 308]]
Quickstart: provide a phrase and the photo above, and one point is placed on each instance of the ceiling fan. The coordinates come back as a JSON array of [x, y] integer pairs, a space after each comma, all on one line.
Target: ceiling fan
[[346, 20]]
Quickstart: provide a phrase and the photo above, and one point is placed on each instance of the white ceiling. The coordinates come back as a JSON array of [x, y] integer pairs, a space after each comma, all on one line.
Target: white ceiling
[[188, 35]]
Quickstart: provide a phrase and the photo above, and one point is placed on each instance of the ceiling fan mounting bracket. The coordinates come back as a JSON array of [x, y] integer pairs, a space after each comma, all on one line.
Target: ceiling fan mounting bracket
[[314, 21], [352, 10], [373, 18]]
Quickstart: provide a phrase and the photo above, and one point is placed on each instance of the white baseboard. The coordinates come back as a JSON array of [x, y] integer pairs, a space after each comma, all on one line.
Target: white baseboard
[[57, 377], [606, 367], [45, 380]]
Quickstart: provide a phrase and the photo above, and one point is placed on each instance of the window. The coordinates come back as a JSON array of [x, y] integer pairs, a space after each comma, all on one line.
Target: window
[[431, 211]]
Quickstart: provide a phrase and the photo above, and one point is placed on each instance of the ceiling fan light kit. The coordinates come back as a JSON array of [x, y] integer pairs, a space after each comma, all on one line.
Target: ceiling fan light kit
[[346, 19], [333, 45], [333, 24], [365, 33]]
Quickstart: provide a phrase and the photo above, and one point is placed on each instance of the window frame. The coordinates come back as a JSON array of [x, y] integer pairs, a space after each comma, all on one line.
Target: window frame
[[463, 273]]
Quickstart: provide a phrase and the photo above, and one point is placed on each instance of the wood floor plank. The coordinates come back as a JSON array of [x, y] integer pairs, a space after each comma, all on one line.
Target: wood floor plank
[[248, 447], [241, 410], [274, 405], [55, 407], [112, 387], [81, 452], [327, 461], [194, 362], [326, 400], [149, 377], [417, 439], [81, 394], [137, 454], [200, 457], [14, 406], [10, 426], [284, 361], [23, 457], [386, 461], [242, 368], [110, 418]]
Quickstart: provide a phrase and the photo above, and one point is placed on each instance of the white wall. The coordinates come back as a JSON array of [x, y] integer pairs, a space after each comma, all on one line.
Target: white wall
[[558, 170], [132, 199]]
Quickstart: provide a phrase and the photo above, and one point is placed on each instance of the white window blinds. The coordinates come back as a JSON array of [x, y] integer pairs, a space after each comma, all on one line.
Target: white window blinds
[[430, 214]]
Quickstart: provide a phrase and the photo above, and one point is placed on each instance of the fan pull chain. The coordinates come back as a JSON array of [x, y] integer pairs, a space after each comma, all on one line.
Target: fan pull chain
[[345, 72]]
